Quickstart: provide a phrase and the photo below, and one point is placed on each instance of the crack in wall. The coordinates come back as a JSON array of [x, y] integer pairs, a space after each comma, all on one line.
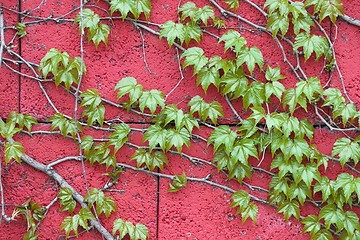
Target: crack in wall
[[19, 52]]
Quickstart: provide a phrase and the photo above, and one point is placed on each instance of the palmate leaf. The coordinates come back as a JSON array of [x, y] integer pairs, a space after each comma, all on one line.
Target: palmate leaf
[[129, 85], [158, 159], [204, 14], [88, 19], [240, 199], [346, 150], [346, 183], [22, 120], [300, 192], [251, 211], [178, 183], [90, 98], [254, 95], [277, 5], [139, 231], [242, 150], [141, 6], [302, 23], [120, 136], [192, 31], [312, 225], [310, 44], [346, 111], [297, 147], [187, 10], [177, 138], [206, 77], [273, 74], [239, 171], [102, 203], [234, 84], [232, 39], [156, 136], [307, 174], [277, 22], [151, 99], [94, 115], [289, 208], [99, 34], [67, 201], [232, 4], [123, 6], [327, 8], [351, 222], [291, 99], [13, 151], [332, 215], [195, 57], [72, 223], [172, 31], [251, 57], [311, 88], [325, 187], [211, 110], [222, 136]]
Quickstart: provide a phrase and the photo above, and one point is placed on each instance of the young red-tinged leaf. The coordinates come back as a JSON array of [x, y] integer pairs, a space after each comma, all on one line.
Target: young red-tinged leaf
[[177, 138], [233, 40], [129, 85], [240, 199], [120, 136], [123, 228], [254, 95], [195, 57], [156, 135], [123, 6], [311, 225], [13, 151], [88, 19], [251, 211], [99, 34], [346, 150], [172, 31], [151, 99], [251, 57], [289, 208], [204, 14], [141, 232], [222, 136], [332, 215], [188, 10], [178, 183]]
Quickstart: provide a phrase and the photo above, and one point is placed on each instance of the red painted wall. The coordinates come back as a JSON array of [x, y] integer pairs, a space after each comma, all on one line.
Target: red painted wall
[[196, 212]]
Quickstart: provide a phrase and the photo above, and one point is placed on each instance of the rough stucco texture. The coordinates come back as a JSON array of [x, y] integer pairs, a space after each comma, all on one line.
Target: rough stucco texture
[[196, 212]]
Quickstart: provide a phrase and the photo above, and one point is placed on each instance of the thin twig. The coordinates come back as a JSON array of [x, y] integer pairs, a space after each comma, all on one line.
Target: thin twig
[[2, 37]]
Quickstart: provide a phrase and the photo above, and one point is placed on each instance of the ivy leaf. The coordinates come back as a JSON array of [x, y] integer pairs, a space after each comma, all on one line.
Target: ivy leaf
[[278, 22], [189, 122], [333, 97], [345, 182], [177, 138], [67, 201], [218, 23], [281, 5], [251, 211], [204, 14], [242, 150], [332, 215], [188, 10], [158, 159], [99, 34], [123, 6], [151, 99], [206, 77], [273, 74], [346, 111], [327, 8], [95, 114], [346, 150], [90, 98], [325, 187], [323, 234], [124, 228], [141, 156], [84, 215], [310, 44], [232, 4], [22, 120], [13, 151], [297, 148], [289, 208], [274, 88], [156, 135], [21, 29], [291, 99], [197, 104], [305, 128], [222, 159], [239, 171], [222, 135], [351, 222], [107, 206], [178, 183], [235, 84], [311, 225], [254, 95], [141, 232], [192, 31], [8, 130], [248, 127], [89, 19], [303, 22], [240, 199], [212, 110], [120, 136], [129, 85], [68, 225], [172, 31], [251, 57], [195, 57], [141, 6], [308, 173], [232, 39], [300, 192], [87, 142], [275, 120]]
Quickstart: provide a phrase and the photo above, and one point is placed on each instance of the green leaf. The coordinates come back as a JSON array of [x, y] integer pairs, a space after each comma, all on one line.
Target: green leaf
[[239, 171], [94, 115], [8, 130], [151, 99], [178, 183], [273, 74], [351, 222], [345, 182], [346, 150], [218, 23], [84, 215], [323, 234], [346, 111], [68, 225], [156, 135], [174, 114], [212, 110], [291, 99], [99, 34], [325, 187], [277, 22], [332, 215], [90, 98], [297, 147], [235, 84], [305, 128], [222, 136], [120, 136], [250, 211], [141, 232], [207, 76], [300, 192], [248, 127], [124, 228], [289, 208], [333, 97], [195, 57], [277, 5], [327, 8], [254, 95], [251, 57], [142, 157], [204, 14], [13, 151], [308, 173], [302, 23], [242, 150], [177, 138], [240, 199], [188, 10], [311, 225], [30, 235], [141, 6], [192, 31], [129, 85], [274, 88], [158, 159], [310, 44], [233, 40], [87, 143], [67, 201], [232, 4], [22, 120], [123, 6], [88, 19], [107, 206], [21, 31], [311, 88], [222, 159], [172, 31]]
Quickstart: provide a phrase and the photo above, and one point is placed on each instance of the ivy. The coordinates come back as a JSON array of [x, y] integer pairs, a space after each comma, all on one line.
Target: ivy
[[138, 231], [178, 183]]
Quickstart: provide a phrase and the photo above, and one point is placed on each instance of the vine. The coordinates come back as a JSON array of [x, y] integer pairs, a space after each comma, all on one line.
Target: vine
[[266, 121]]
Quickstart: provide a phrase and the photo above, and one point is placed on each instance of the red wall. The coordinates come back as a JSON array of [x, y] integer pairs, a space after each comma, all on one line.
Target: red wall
[[196, 212]]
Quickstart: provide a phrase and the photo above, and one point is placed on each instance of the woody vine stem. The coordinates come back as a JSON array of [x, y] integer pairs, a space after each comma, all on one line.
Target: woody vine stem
[[265, 123]]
